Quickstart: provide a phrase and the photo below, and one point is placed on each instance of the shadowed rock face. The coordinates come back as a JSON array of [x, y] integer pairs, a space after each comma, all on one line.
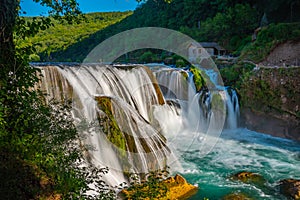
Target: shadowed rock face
[[290, 188], [271, 102], [269, 124]]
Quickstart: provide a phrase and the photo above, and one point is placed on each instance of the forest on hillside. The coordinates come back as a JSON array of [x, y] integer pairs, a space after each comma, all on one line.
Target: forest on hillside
[[231, 23], [60, 36]]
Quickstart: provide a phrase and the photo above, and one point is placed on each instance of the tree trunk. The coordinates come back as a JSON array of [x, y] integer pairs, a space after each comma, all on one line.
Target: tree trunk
[[8, 61], [8, 14]]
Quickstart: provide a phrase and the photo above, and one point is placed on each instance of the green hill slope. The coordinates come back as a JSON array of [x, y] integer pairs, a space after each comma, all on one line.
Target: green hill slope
[[60, 37]]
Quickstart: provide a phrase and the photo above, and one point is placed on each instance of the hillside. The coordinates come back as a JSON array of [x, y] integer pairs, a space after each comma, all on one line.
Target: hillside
[[231, 23], [269, 38], [285, 54], [61, 36]]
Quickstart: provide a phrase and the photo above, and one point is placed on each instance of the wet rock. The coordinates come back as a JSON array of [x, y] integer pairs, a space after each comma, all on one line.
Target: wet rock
[[156, 86], [249, 177], [172, 102], [180, 180], [236, 196], [290, 188]]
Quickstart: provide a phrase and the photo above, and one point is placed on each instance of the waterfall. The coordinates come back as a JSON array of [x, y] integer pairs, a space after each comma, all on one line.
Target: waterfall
[[233, 110], [134, 117], [120, 101], [178, 86]]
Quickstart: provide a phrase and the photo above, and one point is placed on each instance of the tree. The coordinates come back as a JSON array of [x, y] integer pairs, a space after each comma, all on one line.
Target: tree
[[37, 141], [8, 14], [16, 75], [17, 78]]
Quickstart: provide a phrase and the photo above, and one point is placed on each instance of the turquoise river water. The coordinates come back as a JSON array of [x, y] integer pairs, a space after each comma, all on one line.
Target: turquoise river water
[[242, 150]]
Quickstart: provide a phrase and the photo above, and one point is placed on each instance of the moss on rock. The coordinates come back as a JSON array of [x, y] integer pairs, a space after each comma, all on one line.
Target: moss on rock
[[109, 124], [198, 78]]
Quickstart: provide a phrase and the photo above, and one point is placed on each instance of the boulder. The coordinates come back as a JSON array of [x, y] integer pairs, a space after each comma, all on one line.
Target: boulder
[[236, 196], [290, 188], [249, 177], [179, 188]]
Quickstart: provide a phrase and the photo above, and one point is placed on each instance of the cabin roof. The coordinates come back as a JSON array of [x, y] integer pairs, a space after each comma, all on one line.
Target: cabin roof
[[208, 45], [212, 45]]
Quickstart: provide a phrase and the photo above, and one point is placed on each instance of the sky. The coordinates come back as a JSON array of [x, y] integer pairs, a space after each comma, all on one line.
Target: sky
[[34, 9]]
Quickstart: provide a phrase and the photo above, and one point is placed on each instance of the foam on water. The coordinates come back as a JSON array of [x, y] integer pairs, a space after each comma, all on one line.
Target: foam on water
[[242, 150]]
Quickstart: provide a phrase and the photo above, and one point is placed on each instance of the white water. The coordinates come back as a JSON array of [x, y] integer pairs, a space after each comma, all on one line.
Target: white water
[[242, 150], [186, 121]]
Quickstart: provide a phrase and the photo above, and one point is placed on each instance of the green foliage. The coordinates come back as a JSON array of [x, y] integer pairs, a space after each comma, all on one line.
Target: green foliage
[[257, 93], [261, 93], [64, 11], [109, 124], [60, 36], [222, 21], [264, 90], [233, 75], [152, 188], [147, 57], [198, 79], [217, 102], [180, 63], [44, 142], [231, 26]]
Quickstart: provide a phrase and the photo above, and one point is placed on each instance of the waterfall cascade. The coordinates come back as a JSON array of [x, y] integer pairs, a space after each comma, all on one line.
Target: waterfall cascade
[[134, 113]]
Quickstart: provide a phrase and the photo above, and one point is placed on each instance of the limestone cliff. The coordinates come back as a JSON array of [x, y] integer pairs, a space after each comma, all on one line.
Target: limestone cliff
[[271, 101]]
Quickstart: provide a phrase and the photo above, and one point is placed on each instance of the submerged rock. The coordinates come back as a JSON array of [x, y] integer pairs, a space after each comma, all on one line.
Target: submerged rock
[[236, 196], [290, 188], [249, 177]]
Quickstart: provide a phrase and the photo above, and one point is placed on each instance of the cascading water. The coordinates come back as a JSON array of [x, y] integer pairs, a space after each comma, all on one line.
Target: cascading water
[[120, 101], [178, 86], [233, 110], [135, 108]]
